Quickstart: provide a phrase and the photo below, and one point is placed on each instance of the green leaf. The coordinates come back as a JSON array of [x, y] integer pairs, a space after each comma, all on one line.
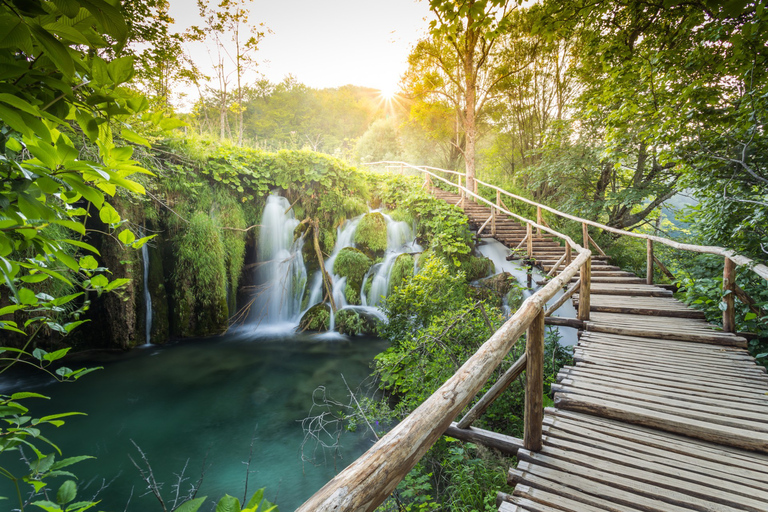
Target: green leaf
[[56, 51], [134, 137], [126, 236], [108, 16], [228, 504], [66, 493], [121, 70], [82, 245], [749, 316], [69, 461], [71, 224], [14, 33], [27, 297], [69, 8], [191, 505], [108, 214], [26, 394], [99, 281], [88, 263]]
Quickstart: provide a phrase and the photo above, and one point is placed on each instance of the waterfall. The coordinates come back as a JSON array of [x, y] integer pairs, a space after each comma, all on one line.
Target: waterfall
[[399, 240], [147, 295], [280, 274]]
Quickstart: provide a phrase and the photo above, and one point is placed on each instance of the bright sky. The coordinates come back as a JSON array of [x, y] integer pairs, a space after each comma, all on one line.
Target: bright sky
[[329, 43]]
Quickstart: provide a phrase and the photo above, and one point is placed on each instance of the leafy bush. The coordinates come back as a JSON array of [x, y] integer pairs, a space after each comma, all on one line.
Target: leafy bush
[[402, 270]]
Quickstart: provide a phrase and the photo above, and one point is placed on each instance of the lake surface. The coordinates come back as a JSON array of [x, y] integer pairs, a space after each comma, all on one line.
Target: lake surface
[[204, 400]]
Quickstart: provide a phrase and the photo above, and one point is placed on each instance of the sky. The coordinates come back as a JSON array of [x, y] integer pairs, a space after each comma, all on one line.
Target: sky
[[328, 43]]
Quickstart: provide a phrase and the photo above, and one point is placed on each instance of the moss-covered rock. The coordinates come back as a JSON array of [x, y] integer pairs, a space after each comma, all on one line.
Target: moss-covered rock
[[496, 288], [477, 267], [402, 269], [317, 318], [371, 233], [353, 264], [352, 322]]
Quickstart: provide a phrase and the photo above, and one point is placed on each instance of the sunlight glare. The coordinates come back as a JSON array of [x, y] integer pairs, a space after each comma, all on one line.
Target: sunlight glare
[[388, 92]]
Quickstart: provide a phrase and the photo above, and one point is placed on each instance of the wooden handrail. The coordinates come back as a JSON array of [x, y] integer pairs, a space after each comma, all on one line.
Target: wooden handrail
[[758, 268], [370, 479]]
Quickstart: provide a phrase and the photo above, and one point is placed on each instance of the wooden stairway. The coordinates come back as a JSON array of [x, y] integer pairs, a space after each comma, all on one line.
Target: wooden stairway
[[660, 412]]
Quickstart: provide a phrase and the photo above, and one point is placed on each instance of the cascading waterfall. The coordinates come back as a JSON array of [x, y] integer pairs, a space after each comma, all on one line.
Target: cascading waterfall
[[147, 296], [280, 274], [399, 240]]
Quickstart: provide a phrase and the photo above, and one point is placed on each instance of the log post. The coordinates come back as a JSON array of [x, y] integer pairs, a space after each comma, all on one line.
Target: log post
[[649, 262], [534, 384], [568, 256], [529, 237], [538, 221], [461, 191], [586, 278], [496, 212], [729, 288], [585, 235], [402, 169]]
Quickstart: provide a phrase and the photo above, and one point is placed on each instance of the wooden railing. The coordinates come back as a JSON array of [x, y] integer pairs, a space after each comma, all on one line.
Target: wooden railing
[[370, 479], [730, 258]]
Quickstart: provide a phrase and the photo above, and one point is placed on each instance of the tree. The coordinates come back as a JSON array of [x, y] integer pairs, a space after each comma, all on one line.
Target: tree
[[230, 22], [470, 30]]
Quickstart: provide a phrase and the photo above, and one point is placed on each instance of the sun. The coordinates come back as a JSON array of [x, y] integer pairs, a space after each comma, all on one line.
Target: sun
[[388, 93]]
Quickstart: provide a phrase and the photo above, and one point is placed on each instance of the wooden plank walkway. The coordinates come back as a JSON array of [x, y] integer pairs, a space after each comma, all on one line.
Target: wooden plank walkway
[[660, 411]]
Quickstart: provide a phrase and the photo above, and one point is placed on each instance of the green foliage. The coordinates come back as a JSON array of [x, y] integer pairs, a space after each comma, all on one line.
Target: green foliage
[[55, 93], [228, 503], [201, 276], [352, 264], [371, 233], [477, 267], [440, 226], [317, 318], [402, 270]]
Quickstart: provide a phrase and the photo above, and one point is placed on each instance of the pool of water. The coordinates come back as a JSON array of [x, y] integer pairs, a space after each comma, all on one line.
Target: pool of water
[[202, 402]]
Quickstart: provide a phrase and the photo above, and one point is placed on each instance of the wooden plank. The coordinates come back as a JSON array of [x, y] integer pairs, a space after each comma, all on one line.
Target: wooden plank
[[665, 379], [735, 401], [505, 444], [596, 492], [713, 339], [697, 353], [670, 401], [660, 344], [591, 494], [590, 437], [652, 484], [654, 405], [694, 427], [551, 499], [674, 443], [704, 368]]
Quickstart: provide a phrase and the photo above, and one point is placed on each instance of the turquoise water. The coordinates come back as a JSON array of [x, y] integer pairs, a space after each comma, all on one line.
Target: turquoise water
[[203, 400]]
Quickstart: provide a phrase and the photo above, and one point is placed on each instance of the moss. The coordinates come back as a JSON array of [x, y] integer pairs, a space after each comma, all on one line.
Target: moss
[[371, 233], [351, 322], [201, 277], [318, 318], [402, 215], [352, 264], [402, 269], [477, 268]]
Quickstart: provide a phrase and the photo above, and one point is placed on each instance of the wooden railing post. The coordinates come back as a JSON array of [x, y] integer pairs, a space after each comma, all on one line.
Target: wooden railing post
[[496, 212], [529, 238], [568, 256], [585, 235], [538, 221], [534, 384], [586, 278], [729, 285], [649, 262], [461, 191]]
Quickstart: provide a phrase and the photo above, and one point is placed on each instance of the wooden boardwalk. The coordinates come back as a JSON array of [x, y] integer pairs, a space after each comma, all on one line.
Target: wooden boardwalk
[[660, 411]]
